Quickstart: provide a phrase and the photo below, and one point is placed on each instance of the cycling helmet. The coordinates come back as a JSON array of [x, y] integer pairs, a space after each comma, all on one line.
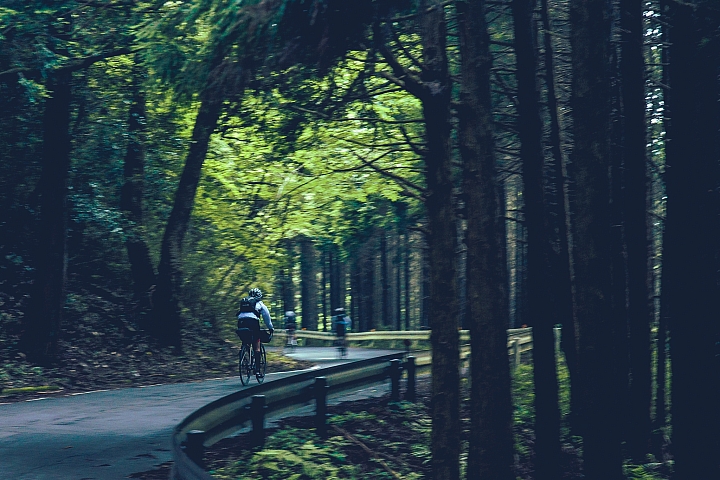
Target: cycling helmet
[[255, 292], [339, 310]]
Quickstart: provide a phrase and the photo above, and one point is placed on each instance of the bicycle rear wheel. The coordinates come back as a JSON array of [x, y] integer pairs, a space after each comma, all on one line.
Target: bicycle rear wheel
[[245, 364], [260, 375]]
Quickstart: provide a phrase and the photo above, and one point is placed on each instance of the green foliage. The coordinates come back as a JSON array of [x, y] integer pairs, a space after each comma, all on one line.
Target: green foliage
[[293, 454]]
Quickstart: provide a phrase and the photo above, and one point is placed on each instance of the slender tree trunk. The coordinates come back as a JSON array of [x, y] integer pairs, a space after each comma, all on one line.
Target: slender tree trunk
[[398, 279], [540, 301], [43, 325], [692, 231], [385, 279], [309, 286], [167, 320], [367, 287], [562, 270], [131, 196], [590, 39], [491, 441], [323, 285], [617, 251], [286, 273], [667, 252], [632, 72], [406, 265]]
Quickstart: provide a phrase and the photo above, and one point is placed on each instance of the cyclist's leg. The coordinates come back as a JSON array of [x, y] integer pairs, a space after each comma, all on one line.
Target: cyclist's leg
[[256, 352]]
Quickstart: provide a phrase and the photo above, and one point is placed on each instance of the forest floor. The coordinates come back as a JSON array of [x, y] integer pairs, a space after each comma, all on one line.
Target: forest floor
[[101, 349], [377, 439]]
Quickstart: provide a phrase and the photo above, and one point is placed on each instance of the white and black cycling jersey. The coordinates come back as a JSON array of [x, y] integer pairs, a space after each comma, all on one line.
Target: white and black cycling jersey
[[264, 313]]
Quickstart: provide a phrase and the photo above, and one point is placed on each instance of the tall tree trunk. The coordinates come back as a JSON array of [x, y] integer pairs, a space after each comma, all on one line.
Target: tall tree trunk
[[667, 251], [540, 301], [325, 259], [692, 230], [406, 266], [562, 270], [617, 251], [309, 286], [131, 196], [167, 321], [398, 279], [632, 73], [442, 241], [425, 283], [491, 440], [385, 279], [43, 324], [288, 284], [590, 39]]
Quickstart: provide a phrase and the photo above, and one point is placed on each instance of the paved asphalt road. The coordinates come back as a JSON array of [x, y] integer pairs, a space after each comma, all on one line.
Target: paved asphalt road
[[108, 435]]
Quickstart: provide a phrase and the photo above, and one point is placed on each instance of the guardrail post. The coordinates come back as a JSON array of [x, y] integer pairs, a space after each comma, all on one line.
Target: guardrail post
[[395, 373], [257, 414], [410, 367], [556, 331], [516, 353], [193, 446], [321, 388]]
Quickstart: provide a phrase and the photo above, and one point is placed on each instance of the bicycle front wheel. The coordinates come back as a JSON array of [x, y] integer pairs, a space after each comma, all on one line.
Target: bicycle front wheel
[[245, 364]]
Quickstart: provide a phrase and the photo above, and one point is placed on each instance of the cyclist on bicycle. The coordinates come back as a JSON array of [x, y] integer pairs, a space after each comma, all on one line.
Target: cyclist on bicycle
[[341, 323], [291, 327], [251, 309]]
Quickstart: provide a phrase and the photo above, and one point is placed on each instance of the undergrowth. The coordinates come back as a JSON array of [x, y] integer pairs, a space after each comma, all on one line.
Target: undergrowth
[[375, 439]]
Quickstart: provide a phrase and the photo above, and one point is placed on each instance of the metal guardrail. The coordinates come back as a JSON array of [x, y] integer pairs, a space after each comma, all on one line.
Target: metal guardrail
[[229, 414], [392, 335]]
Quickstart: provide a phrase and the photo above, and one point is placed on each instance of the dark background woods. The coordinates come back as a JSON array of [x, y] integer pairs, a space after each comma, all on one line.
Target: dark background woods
[[468, 164]]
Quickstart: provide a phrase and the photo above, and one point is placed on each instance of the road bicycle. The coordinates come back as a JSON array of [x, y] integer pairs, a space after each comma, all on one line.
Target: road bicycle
[[291, 341], [246, 360], [341, 345]]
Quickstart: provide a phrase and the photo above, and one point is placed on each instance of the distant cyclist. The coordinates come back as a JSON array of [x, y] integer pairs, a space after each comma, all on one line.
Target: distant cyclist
[[341, 323], [291, 327], [251, 309]]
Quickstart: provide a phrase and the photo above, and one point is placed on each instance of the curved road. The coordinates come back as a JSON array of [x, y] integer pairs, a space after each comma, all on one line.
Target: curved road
[[108, 435]]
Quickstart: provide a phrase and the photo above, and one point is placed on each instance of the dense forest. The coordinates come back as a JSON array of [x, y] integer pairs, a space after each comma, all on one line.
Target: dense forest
[[460, 164]]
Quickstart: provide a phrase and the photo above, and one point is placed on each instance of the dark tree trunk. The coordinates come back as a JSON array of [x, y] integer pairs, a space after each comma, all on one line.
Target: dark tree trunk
[[562, 267], [540, 302], [167, 321], [309, 286], [692, 231], [337, 281], [435, 96], [632, 73], [368, 288], [398, 280], [406, 251], [354, 294], [617, 252], [131, 197], [590, 39], [43, 325], [425, 283], [667, 256], [491, 440], [385, 279], [661, 345], [324, 260]]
